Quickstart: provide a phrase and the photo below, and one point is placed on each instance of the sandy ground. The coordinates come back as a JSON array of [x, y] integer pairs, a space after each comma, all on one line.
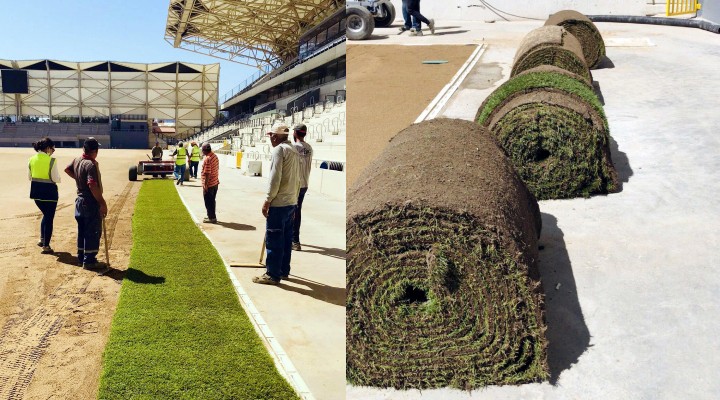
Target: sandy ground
[[55, 317], [388, 87]]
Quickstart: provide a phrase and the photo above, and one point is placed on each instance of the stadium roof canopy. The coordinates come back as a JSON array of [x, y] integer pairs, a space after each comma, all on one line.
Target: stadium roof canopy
[[259, 33], [180, 91]]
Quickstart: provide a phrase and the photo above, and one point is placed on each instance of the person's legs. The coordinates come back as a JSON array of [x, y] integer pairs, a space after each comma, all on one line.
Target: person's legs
[[287, 239], [210, 203], [92, 228], [194, 168], [298, 215], [419, 17], [79, 203], [176, 172], [274, 242], [406, 17], [46, 225]]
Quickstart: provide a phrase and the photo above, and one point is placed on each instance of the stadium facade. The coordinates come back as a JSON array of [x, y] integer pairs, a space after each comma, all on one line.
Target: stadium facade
[[115, 101]]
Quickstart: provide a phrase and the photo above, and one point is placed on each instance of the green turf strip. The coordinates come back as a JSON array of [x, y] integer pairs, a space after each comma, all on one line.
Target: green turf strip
[[179, 331], [533, 80]]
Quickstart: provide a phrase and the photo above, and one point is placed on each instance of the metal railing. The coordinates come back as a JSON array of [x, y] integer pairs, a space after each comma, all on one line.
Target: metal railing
[[678, 7]]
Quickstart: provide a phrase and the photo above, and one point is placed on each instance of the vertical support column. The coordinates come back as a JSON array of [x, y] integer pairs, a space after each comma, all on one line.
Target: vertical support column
[[110, 105], [177, 96], [49, 86], [79, 81], [18, 100]]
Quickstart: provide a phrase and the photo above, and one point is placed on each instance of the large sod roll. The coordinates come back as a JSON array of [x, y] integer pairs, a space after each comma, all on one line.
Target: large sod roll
[[554, 130], [585, 31], [551, 45], [442, 282]]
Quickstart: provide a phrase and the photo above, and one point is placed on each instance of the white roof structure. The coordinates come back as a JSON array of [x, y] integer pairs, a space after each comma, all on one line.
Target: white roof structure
[[185, 92], [259, 33]]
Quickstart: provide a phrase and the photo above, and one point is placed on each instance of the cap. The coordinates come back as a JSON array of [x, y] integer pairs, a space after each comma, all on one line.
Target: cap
[[279, 129], [300, 128], [91, 144]]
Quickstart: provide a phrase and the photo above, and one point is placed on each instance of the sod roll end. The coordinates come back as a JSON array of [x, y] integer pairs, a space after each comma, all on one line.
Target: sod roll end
[[554, 130], [585, 31], [442, 278], [551, 45]]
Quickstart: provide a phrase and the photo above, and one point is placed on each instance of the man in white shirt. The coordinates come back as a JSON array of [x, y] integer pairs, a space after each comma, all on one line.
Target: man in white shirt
[[279, 206], [306, 154]]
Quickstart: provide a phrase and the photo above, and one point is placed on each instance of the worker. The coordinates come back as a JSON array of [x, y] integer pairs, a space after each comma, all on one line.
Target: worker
[[90, 205], [181, 157], [44, 176], [279, 206], [306, 154], [209, 177], [194, 159], [157, 152]]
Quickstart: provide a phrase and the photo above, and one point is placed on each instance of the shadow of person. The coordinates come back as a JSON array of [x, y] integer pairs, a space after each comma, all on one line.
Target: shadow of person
[[316, 290], [236, 226], [325, 251], [449, 32], [568, 336], [137, 276], [66, 258], [621, 162], [115, 274]]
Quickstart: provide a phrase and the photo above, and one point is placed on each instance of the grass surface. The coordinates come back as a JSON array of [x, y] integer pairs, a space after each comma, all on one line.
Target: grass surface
[[179, 331], [534, 80]]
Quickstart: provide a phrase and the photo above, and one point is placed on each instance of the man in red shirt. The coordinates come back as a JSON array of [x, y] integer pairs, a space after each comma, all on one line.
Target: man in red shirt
[[210, 181]]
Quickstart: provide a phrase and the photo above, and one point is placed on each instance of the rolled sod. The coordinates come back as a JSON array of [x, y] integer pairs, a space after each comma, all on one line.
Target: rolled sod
[[551, 45], [585, 31], [442, 282], [554, 130]]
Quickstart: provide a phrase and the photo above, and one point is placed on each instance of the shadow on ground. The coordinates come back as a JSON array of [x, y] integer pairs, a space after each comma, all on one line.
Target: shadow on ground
[[325, 251], [137, 276], [449, 33], [605, 63], [621, 162], [316, 290], [236, 226], [66, 258], [567, 334]]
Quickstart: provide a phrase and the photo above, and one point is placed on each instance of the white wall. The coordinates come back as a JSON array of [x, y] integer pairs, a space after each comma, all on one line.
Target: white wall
[[474, 10], [710, 10]]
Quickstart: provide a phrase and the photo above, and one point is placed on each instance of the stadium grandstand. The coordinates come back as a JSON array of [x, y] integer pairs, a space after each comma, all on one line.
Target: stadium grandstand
[[122, 104], [299, 50]]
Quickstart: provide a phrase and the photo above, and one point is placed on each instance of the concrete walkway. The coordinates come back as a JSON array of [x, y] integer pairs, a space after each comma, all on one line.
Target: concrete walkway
[[305, 315], [632, 278]]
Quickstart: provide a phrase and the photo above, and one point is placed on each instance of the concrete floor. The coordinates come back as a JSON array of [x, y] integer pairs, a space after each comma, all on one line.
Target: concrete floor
[[305, 315], [631, 278]]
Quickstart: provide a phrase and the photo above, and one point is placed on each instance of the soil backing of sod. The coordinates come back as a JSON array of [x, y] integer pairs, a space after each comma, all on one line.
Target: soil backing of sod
[[443, 285], [580, 26], [554, 130], [551, 45], [179, 330]]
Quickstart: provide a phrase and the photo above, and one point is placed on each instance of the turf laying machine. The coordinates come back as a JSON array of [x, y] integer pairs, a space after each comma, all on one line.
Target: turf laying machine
[[156, 168], [364, 16]]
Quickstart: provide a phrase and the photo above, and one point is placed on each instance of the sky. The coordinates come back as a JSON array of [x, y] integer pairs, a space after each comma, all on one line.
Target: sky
[[99, 30]]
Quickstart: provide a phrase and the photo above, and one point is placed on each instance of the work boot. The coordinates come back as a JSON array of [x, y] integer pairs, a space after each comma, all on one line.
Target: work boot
[[265, 279], [417, 32], [296, 246], [47, 250], [41, 243], [431, 25], [285, 277], [207, 220], [403, 29], [177, 182]]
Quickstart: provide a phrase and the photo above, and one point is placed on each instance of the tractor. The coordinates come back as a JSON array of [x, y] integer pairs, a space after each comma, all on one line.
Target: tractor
[[156, 168], [364, 16]]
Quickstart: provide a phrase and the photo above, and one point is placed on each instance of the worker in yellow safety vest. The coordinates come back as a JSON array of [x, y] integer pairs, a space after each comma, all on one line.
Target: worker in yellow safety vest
[[44, 176], [181, 156], [194, 159]]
